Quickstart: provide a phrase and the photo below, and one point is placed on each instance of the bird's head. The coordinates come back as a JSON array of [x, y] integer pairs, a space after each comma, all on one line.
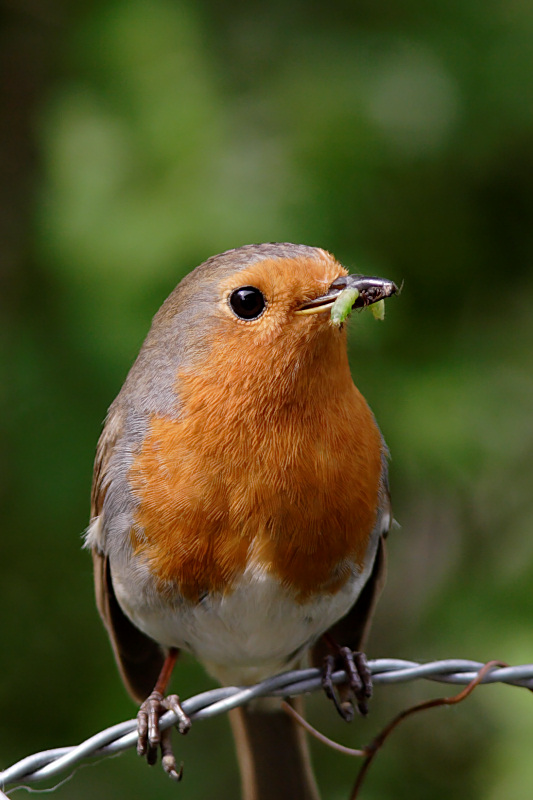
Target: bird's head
[[256, 321]]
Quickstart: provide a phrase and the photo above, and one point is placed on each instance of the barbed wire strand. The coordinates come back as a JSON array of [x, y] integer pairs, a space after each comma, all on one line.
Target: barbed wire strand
[[50, 763]]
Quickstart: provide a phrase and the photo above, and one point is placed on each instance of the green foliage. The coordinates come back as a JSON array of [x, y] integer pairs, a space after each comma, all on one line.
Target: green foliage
[[398, 136]]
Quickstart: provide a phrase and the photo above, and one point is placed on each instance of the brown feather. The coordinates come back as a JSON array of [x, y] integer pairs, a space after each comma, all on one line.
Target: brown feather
[[273, 755], [139, 658], [113, 430]]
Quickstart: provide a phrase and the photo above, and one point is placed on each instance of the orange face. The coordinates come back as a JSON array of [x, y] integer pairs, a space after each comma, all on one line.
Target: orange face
[[274, 457]]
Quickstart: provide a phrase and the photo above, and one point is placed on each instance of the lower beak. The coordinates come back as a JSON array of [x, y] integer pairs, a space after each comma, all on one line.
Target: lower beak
[[370, 290]]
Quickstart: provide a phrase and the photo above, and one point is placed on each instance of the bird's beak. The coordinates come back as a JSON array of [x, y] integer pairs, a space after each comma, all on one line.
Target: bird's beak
[[370, 291]]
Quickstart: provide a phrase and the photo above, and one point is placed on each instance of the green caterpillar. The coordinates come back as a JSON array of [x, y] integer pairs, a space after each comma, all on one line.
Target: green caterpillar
[[344, 304]]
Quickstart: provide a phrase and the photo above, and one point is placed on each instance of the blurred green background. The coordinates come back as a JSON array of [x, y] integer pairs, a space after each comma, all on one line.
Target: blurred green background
[[137, 139]]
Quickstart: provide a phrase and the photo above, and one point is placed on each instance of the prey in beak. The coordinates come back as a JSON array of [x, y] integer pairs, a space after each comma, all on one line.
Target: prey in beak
[[348, 292]]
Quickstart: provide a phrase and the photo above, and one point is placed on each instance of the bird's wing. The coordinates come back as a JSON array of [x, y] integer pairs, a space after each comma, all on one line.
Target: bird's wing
[[138, 657], [352, 630]]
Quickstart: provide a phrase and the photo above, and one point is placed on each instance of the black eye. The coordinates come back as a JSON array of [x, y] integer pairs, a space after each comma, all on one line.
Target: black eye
[[247, 302]]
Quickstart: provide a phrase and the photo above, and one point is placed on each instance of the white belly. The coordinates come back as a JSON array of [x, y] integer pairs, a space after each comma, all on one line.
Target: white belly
[[244, 636]]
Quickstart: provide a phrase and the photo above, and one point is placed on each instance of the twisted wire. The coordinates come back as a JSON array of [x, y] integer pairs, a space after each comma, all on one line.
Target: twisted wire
[[51, 763]]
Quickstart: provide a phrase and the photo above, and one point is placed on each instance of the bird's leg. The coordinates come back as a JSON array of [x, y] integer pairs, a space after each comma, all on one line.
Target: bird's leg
[[150, 736], [358, 683]]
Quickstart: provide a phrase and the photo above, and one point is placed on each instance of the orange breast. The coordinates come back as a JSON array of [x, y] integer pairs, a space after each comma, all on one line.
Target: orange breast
[[274, 466]]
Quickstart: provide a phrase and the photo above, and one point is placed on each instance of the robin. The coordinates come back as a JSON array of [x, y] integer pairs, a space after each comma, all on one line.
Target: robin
[[240, 500]]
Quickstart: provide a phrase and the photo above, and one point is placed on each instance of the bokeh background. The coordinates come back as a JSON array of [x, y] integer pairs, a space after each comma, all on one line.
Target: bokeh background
[[138, 138]]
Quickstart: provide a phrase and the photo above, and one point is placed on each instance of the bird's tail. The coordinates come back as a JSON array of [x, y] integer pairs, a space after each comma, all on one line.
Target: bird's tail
[[273, 755]]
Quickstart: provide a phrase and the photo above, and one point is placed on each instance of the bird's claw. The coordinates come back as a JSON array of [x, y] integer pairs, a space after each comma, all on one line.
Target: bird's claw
[[358, 685], [151, 737]]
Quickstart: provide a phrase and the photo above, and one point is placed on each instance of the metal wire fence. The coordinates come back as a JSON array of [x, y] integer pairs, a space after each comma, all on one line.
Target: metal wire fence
[[50, 764]]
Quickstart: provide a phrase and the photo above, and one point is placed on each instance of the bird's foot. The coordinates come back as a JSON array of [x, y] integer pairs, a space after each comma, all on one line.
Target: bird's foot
[[150, 735], [358, 685]]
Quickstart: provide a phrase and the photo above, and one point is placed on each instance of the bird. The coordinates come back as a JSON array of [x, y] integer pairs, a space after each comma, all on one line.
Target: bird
[[240, 501]]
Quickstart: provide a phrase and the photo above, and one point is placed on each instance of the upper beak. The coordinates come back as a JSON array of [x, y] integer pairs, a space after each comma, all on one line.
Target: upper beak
[[370, 291]]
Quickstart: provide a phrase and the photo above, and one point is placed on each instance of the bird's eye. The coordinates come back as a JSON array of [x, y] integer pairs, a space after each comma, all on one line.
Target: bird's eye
[[247, 302]]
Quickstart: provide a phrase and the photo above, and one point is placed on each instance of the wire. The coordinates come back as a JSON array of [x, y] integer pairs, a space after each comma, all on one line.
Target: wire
[[50, 763]]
